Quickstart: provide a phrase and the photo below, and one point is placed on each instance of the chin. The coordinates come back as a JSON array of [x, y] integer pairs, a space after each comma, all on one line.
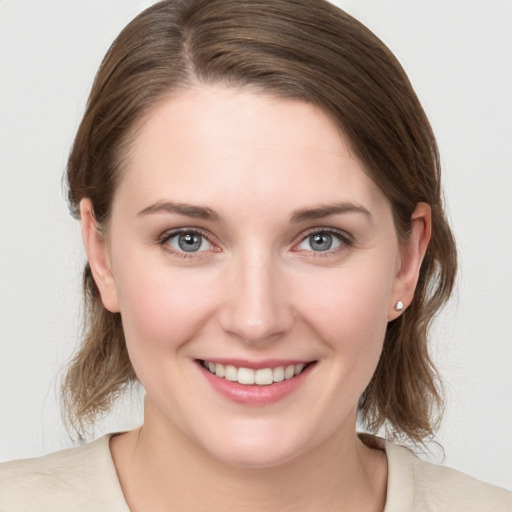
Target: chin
[[254, 456], [258, 447]]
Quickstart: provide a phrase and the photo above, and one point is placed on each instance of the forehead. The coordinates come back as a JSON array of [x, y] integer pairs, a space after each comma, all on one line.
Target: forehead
[[215, 144]]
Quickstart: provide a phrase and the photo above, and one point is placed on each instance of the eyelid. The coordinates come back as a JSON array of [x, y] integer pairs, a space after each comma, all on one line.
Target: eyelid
[[171, 233], [346, 240]]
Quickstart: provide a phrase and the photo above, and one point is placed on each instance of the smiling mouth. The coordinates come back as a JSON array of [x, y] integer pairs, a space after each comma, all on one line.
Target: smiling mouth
[[250, 377]]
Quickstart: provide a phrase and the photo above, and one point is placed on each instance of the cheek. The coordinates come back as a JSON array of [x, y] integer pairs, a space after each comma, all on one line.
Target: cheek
[[350, 303], [161, 308], [348, 311], [162, 312]]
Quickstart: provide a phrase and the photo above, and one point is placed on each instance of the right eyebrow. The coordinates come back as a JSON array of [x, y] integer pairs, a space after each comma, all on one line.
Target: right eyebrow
[[326, 210], [188, 210]]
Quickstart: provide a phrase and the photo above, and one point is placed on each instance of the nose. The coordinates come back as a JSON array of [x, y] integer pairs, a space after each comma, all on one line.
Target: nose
[[256, 307]]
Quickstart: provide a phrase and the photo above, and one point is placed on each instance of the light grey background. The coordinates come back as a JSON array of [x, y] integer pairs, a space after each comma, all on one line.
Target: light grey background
[[458, 55]]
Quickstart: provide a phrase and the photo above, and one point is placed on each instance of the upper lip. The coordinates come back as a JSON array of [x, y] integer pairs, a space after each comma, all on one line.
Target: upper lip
[[257, 365]]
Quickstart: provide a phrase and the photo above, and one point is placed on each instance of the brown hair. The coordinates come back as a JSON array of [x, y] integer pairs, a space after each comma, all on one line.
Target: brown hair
[[302, 49]]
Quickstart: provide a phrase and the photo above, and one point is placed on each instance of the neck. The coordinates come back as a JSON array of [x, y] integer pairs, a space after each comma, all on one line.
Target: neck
[[160, 469]]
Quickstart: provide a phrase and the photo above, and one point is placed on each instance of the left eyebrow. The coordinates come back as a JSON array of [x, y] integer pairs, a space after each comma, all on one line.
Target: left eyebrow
[[326, 210], [188, 210]]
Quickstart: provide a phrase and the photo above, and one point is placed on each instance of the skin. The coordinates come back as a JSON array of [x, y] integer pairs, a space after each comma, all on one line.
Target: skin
[[256, 290]]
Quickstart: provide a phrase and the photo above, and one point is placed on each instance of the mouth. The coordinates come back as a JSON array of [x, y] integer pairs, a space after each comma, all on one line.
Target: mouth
[[255, 377]]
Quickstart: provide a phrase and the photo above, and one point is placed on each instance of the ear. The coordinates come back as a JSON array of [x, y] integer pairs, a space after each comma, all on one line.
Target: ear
[[98, 255], [411, 256]]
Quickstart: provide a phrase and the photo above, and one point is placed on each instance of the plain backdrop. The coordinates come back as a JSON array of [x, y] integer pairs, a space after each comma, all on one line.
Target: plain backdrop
[[458, 55]]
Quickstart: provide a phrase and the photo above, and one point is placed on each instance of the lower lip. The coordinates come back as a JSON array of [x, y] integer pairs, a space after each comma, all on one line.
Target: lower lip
[[255, 394]]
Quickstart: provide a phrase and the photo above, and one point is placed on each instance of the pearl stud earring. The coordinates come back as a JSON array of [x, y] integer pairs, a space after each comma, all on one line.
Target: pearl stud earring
[[399, 306]]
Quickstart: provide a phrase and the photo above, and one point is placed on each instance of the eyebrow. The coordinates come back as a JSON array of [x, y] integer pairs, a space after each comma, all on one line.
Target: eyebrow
[[326, 210], [189, 210], [300, 215]]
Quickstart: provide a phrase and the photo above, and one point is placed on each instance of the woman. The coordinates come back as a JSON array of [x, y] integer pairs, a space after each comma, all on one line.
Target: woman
[[260, 202]]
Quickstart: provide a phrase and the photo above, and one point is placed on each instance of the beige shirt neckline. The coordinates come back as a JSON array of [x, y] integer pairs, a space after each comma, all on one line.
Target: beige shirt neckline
[[85, 479]]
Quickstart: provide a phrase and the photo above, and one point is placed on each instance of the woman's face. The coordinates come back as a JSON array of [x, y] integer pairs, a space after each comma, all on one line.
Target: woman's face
[[246, 237]]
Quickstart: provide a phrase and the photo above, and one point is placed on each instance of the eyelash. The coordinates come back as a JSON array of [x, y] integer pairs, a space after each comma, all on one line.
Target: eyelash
[[164, 238], [345, 241]]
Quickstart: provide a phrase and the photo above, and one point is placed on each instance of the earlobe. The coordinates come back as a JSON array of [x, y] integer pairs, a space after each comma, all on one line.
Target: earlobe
[[98, 256], [412, 253]]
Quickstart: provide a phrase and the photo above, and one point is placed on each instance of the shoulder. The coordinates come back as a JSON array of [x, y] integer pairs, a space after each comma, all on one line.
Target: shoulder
[[417, 485], [81, 478]]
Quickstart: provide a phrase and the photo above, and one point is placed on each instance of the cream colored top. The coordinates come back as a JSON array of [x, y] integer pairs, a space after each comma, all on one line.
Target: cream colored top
[[84, 479]]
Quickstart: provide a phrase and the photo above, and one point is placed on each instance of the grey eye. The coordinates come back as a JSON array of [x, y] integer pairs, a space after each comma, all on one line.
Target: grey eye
[[189, 242], [322, 241]]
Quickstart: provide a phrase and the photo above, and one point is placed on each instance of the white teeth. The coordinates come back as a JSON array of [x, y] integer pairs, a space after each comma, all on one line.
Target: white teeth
[[248, 376], [219, 370], [264, 377], [289, 372], [230, 373], [278, 374], [245, 376]]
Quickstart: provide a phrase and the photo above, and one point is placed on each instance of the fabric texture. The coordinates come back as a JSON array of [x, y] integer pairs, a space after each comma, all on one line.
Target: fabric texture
[[84, 479]]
